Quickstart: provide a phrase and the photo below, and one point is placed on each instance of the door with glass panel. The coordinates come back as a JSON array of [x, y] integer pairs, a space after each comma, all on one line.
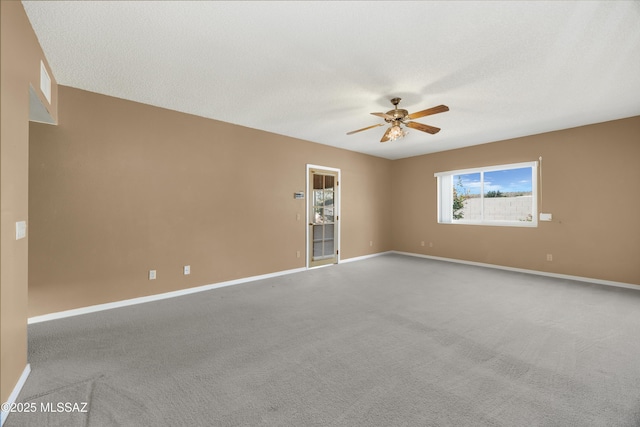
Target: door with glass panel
[[323, 217]]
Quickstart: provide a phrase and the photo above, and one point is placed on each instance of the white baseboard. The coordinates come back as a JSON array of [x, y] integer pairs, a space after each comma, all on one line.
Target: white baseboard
[[140, 300], [16, 391], [360, 258], [523, 270], [181, 292]]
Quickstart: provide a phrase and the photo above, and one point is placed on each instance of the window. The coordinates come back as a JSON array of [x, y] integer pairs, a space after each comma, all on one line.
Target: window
[[492, 195]]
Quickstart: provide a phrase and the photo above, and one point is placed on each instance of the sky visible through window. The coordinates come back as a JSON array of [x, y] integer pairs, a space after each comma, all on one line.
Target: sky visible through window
[[505, 181]]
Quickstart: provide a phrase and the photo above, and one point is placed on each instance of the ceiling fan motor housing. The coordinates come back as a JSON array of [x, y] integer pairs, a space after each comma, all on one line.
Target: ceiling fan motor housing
[[398, 114]]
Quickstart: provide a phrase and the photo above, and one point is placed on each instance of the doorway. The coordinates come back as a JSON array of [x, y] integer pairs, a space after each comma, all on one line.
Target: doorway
[[323, 233]]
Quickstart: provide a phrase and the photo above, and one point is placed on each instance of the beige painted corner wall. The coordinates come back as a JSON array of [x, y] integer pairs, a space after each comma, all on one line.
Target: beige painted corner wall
[[590, 181], [119, 188], [20, 56]]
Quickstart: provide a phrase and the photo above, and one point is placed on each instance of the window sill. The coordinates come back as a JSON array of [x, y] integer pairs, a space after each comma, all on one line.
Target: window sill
[[523, 224]]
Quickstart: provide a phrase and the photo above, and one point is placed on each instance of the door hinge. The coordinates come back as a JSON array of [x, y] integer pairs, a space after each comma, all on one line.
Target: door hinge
[[337, 252], [337, 217]]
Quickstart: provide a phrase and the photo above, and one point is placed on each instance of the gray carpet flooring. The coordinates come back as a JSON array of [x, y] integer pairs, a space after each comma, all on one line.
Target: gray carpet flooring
[[388, 341]]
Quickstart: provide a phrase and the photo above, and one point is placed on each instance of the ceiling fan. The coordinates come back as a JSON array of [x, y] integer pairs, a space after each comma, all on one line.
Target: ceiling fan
[[398, 117]]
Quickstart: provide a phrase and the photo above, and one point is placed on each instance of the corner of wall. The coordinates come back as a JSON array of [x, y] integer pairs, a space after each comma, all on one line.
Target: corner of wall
[[20, 60]]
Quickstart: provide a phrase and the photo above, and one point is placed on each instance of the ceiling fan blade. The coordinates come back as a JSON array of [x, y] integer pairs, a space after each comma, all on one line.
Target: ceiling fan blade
[[385, 137], [368, 127], [428, 112], [384, 116], [423, 128]]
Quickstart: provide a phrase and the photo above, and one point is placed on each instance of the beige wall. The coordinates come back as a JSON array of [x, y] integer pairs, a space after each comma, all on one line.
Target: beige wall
[[20, 67], [119, 188], [590, 180]]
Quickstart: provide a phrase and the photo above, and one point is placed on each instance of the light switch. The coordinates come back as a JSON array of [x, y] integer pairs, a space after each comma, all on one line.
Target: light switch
[[545, 217], [21, 230]]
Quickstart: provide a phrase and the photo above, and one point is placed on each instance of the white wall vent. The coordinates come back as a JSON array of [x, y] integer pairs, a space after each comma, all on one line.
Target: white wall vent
[[45, 82]]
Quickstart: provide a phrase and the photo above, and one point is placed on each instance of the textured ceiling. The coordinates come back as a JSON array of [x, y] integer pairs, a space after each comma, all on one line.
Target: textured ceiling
[[315, 70]]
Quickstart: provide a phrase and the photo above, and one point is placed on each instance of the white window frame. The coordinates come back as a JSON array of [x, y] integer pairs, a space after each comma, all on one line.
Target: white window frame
[[445, 195]]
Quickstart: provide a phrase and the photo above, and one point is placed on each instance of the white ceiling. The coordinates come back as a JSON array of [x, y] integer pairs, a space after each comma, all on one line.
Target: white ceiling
[[315, 70]]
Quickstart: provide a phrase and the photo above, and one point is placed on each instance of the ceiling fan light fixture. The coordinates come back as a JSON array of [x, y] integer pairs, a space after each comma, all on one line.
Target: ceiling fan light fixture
[[396, 132]]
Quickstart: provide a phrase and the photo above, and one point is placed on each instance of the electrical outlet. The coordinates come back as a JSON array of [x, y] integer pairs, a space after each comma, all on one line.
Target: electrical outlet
[[422, 243], [549, 257], [186, 270], [21, 230], [297, 254], [370, 242], [430, 244], [152, 275]]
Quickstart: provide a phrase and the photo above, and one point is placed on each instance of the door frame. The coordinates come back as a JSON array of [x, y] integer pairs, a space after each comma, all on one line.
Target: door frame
[[338, 206]]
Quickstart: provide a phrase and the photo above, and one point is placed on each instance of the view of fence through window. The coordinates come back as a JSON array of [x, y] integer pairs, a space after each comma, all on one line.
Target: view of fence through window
[[497, 195]]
